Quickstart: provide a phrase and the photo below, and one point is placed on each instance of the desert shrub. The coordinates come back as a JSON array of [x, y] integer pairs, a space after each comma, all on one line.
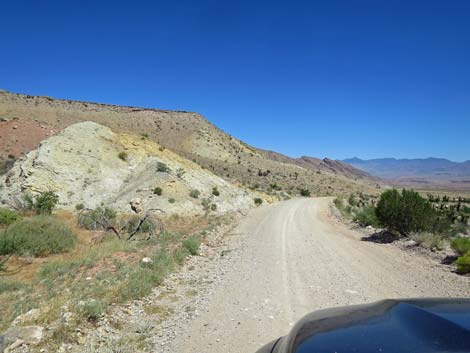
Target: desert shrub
[[406, 212], [304, 192], [36, 236], [8, 217], [367, 217], [460, 228], [98, 219], [215, 191], [171, 200], [162, 167], [461, 245], [180, 172], [131, 224], [338, 202], [388, 209], [123, 155], [79, 206], [428, 240], [6, 165], [258, 201], [213, 207], [192, 244], [194, 193], [179, 254], [352, 200], [42, 204], [157, 191], [92, 310], [463, 264], [440, 223], [206, 204]]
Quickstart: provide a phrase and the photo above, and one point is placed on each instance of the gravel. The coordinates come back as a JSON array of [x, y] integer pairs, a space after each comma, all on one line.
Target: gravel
[[251, 283]]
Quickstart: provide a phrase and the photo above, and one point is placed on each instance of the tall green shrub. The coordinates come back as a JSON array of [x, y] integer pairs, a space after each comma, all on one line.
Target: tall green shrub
[[367, 217], [406, 212], [36, 236], [461, 245], [42, 203]]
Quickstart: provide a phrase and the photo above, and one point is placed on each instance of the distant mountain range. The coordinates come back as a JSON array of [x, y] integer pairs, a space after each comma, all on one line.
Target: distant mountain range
[[427, 172]]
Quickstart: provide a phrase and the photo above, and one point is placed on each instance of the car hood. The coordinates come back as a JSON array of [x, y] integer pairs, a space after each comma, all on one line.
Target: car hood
[[411, 325]]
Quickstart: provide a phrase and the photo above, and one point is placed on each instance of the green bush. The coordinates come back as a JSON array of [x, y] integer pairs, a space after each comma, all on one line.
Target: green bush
[[338, 203], [304, 193], [123, 156], [8, 217], [179, 254], [171, 200], [92, 310], [367, 217], [428, 240], [461, 245], [43, 203], [192, 244], [352, 200], [180, 172], [406, 212], [79, 206], [131, 224], [463, 264], [157, 191], [162, 167], [98, 219], [36, 236], [194, 193], [215, 191], [258, 201]]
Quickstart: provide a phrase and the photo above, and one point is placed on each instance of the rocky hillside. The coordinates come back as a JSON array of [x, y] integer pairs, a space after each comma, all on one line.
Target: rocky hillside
[[192, 136], [89, 164], [323, 165]]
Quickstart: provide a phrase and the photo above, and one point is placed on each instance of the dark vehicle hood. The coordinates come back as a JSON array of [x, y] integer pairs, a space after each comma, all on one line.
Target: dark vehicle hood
[[411, 325]]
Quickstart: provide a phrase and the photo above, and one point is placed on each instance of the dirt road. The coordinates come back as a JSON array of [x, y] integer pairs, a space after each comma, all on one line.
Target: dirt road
[[292, 258]]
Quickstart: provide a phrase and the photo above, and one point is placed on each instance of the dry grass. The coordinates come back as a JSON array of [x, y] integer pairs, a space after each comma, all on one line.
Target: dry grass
[[96, 274]]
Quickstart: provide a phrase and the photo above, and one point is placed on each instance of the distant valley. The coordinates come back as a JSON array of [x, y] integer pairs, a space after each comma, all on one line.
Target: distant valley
[[426, 173]]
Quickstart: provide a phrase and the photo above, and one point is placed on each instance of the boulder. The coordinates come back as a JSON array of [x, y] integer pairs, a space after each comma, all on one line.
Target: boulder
[[136, 205], [31, 335], [27, 317], [147, 261]]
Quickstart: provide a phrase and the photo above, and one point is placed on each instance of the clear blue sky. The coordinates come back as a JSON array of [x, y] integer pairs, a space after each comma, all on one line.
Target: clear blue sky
[[323, 78]]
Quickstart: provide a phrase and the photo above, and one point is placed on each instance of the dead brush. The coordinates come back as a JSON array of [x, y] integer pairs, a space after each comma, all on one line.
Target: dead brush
[[124, 227]]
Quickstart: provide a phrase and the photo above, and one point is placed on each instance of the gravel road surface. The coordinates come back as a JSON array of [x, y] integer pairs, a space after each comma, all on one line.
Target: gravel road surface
[[294, 257]]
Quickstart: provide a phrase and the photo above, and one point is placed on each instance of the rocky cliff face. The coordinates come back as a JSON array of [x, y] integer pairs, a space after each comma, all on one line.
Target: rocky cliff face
[[89, 164]]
